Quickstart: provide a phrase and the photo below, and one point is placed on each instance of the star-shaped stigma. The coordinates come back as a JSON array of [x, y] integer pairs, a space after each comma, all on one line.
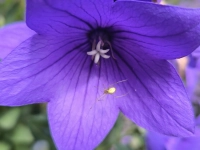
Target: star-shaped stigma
[[96, 53]]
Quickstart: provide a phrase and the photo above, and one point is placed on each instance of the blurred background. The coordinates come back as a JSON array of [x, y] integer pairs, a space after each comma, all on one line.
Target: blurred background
[[26, 128]]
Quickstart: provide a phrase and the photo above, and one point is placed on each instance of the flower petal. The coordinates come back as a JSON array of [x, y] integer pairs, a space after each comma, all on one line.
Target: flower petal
[[197, 120], [196, 53], [155, 141], [191, 81], [155, 30], [62, 4], [12, 35], [31, 72], [53, 21], [93, 11], [156, 98], [63, 20], [81, 115], [186, 144], [191, 72]]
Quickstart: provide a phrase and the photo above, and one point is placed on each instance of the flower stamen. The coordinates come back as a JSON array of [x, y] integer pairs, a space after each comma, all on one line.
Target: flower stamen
[[110, 48], [97, 52]]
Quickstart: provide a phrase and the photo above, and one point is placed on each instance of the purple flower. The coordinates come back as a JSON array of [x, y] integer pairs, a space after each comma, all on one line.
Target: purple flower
[[156, 141], [192, 72], [192, 76], [186, 143], [92, 59], [12, 35]]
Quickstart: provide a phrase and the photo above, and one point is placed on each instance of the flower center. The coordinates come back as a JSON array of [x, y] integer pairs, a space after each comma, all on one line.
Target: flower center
[[98, 52], [100, 45]]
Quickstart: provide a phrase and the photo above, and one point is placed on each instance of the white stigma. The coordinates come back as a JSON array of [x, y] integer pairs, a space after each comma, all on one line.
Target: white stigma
[[98, 52]]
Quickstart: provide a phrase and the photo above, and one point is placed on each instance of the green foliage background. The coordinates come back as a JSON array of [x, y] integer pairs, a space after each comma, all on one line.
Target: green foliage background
[[26, 128]]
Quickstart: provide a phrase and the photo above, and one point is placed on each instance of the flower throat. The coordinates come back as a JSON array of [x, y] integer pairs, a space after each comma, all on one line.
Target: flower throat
[[101, 45]]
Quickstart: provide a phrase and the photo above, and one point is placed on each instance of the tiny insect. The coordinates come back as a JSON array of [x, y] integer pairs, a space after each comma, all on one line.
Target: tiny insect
[[111, 90]]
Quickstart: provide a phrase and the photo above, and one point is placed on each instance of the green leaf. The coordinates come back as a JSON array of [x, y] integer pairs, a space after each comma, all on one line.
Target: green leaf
[[9, 119], [2, 20], [22, 135], [22, 147], [4, 146]]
